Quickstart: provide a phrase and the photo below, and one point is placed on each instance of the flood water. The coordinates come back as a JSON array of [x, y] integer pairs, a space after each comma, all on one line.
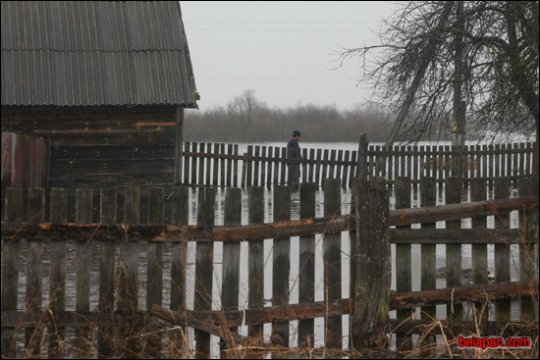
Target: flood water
[[294, 266]]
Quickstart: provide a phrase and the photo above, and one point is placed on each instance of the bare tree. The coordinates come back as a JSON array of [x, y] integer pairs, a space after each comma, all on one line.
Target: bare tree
[[421, 59], [415, 68]]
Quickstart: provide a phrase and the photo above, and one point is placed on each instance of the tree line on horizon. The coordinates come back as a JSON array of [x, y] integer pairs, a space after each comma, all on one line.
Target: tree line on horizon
[[247, 119]]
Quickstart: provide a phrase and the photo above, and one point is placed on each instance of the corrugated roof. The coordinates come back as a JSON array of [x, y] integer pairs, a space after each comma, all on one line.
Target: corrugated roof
[[81, 53]]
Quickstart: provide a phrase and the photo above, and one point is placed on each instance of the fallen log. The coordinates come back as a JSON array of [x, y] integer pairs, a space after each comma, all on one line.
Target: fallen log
[[304, 227]]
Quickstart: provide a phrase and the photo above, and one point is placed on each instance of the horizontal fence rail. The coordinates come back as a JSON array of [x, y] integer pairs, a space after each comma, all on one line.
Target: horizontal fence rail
[[127, 248]]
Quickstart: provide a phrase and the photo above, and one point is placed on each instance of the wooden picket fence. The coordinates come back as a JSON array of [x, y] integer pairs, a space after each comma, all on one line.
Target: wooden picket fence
[[218, 164], [110, 220]]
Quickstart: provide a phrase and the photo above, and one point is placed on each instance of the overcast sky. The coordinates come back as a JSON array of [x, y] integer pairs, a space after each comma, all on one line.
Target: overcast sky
[[285, 51]]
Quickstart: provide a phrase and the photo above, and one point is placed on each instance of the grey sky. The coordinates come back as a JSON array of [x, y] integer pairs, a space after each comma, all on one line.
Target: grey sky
[[285, 51]]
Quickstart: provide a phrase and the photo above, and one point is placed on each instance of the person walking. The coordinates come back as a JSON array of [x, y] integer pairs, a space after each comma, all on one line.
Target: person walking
[[293, 153]]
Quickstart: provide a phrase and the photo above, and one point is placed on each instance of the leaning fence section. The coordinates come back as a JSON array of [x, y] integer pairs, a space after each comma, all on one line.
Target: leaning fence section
[[128, 249]]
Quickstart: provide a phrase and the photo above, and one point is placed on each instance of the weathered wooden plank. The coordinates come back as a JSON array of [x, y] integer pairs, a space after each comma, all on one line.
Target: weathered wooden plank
[[235, 166], [372, 268], [382, 161], [471, 293], [179, 138], [129, 277], [281, 264], [57, 272], [304, 176], [318, 168], [284, 167], [180, 214], [249, 163], [10, 272], [403, 256], [479, 251], [453, 251], [202, 161], [256, 165], [362, 167], [215, 166], [502, 252], [230, 168], [194, 161], [311, 167], [187, 162], [7, 165], [231, 258], [289, 312], [428, 251], [522, 158], [306, 278], [528, 259], [270, 168], [204, 266], [223, 169], [331, 169], [154, 288], [276, 166], [332, 264], [82, 125], [36, 211], [508, 156], [209, 162], [345, 175], [415, 165], [305, 227], [106, 277], [457, 236], [264, 162], [256, 256], [83, 252]]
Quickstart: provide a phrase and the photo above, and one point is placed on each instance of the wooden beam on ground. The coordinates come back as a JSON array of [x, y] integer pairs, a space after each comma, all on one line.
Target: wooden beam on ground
[[473, 293], [291, 312]]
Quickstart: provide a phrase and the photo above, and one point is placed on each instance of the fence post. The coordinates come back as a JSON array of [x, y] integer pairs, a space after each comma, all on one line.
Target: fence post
[[362, 158], [372, 265]]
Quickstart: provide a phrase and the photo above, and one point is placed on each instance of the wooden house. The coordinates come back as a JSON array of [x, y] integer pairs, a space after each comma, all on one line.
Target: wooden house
[[93, 93]]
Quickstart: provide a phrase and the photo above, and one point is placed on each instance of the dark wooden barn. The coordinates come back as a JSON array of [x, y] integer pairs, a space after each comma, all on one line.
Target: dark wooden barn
[[93, 93]]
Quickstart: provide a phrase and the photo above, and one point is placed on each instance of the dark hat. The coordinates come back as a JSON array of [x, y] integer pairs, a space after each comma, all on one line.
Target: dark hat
[[296, 133]]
